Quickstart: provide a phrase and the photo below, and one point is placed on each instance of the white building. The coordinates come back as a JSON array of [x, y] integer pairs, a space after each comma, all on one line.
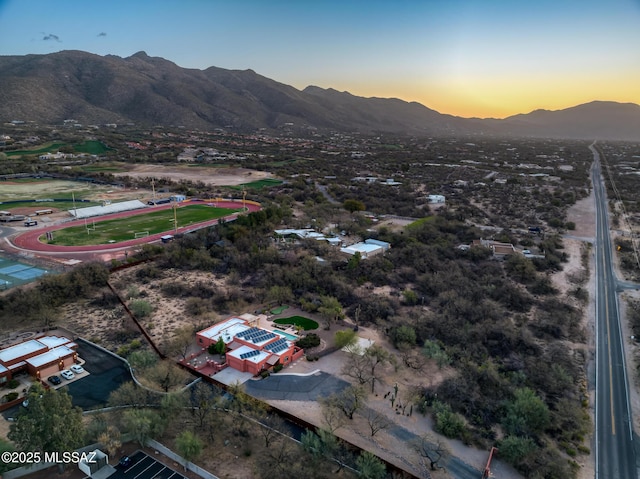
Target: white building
[[436, 198]]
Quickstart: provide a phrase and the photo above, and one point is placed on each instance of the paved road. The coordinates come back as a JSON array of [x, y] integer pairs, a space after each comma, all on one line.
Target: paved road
[[615, 445]]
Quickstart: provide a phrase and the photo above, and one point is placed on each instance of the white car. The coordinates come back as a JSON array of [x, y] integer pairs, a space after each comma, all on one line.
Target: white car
[[67, 374], [76, 368]]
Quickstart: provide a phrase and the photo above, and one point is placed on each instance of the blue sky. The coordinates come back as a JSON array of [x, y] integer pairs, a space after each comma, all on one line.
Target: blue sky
[[469, 58]]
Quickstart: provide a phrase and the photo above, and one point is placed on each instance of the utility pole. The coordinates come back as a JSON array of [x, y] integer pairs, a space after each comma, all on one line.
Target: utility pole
[[153, 188]]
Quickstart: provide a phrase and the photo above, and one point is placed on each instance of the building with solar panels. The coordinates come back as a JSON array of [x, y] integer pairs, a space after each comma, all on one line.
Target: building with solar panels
[[250, 348]]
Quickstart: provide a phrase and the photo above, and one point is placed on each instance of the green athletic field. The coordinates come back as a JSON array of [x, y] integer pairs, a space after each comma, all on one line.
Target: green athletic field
[[123, 229], [91, 147], [259, 184]]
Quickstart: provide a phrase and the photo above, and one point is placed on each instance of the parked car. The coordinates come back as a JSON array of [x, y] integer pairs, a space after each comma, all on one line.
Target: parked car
[[76, 368], [67, 374], [125, 462], [55, 380]]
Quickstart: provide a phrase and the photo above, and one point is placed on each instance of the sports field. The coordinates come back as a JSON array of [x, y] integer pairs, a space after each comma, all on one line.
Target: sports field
[[91, 147], [259, 184], [136, 226]]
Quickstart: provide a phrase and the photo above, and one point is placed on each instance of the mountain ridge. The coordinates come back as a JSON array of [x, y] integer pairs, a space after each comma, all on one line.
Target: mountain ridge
[[154, 91]]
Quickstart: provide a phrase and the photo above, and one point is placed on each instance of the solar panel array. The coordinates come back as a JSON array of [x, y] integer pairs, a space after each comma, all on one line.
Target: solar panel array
[[250, 354], [278, 346], [263, 337], [255, 335], [248, 332]]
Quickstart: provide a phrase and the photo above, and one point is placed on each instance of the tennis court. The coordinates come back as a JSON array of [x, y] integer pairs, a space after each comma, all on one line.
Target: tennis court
[[14, 273]]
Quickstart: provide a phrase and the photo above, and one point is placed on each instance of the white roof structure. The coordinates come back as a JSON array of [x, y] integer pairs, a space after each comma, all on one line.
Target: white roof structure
[[302, 233], [226, 329], [49, 356], [20, 350], [383, 244], [53, 341], [107, 209], [247, 353], [436, 198], [364, 249]]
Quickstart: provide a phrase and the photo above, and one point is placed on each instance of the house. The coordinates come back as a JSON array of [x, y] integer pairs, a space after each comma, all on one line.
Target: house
[[383, 244], [499, 250], [436, 199], [250, 348], [39, 357], [367, 249]]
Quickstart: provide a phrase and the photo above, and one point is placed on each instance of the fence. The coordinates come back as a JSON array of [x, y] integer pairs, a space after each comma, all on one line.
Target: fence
[[172, 455]]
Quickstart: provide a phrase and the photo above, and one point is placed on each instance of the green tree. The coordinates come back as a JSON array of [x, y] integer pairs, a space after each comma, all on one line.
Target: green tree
[[527, 414], [331, 310], [432, 350], [352, 205], [142, 424], [376, 356], [370, 466], [141, 360], [403, 337], [280, 294], [50, 423], [345, 337], [447, 422], [514, 449], [167, 375], [6, 446], [189, 446]]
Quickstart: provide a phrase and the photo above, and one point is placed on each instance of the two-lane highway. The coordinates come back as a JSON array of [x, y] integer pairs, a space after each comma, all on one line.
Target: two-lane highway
[[615, 445]]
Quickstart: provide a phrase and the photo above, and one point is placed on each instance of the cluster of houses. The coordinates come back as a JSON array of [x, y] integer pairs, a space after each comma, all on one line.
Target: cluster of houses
[[366, 249]]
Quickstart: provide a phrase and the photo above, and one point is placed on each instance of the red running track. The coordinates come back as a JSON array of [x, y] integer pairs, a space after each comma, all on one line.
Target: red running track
[[30, 241]]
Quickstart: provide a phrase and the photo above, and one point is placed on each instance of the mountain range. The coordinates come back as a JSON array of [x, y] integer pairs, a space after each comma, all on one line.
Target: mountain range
[[149, 91]]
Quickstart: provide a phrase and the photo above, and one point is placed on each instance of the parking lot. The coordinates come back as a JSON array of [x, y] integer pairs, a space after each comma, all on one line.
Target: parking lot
[[106, 374], [145, 467]]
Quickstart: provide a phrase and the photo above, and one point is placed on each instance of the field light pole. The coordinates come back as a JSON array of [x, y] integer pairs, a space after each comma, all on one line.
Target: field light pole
[[244, 199], [75, 210], [175, 217]]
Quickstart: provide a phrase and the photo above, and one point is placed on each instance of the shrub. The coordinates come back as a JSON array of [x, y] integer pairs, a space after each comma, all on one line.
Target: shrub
[[13, 383], [277, 368], [12, 396], [140, 308], [309, 341]]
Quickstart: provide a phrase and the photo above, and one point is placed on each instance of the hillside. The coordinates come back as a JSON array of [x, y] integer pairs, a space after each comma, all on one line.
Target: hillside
[[145, 90]]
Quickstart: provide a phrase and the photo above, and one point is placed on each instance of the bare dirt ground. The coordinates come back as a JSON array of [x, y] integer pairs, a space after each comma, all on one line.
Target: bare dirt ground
[[209, 176], [583, 214], [168, 314]]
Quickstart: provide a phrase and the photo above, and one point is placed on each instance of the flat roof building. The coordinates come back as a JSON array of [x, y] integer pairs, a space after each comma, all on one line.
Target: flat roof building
[[39, 357], [250, 348]]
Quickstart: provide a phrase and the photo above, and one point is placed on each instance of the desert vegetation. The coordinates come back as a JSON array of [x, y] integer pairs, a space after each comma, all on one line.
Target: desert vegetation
[[513, 343]]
